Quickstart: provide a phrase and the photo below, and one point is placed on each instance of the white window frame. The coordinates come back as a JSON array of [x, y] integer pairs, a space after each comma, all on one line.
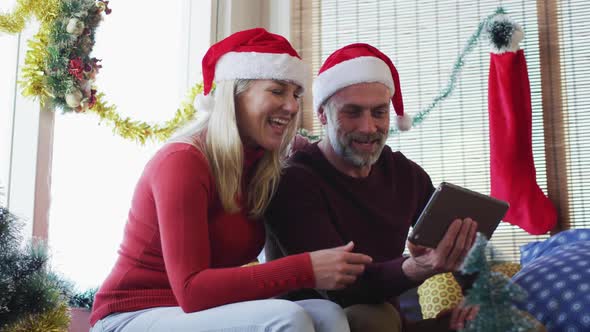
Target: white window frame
[[28, 184]]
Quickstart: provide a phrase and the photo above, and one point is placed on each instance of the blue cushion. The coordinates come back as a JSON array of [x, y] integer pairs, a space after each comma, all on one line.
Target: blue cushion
[[533, 250], [556, 275]]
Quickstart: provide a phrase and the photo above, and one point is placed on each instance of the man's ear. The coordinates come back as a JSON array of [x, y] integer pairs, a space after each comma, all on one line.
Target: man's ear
[[322, 115]]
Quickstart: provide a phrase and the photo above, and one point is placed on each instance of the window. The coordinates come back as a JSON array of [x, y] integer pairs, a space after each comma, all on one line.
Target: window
[[146, 73], [21, 130], [8, 60], [574, 57], [424, 39]]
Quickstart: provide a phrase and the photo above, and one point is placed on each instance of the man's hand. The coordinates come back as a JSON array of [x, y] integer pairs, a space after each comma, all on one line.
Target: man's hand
[[338, 267], [447, 257], [460, 315]]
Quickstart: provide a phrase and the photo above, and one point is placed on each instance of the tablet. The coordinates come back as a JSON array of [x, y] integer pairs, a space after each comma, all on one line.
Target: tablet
[[449, 202]]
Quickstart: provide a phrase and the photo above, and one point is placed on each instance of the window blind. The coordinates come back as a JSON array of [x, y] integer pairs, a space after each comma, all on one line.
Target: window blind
[[574, 43], [423, 39]]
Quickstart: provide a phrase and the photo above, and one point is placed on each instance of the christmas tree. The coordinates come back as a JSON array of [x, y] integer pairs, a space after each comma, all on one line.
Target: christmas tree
[[32, 298], [494, 293]]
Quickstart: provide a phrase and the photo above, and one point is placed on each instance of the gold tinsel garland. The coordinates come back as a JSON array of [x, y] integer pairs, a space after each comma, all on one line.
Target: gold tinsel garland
[[141, 131], [33, 82], [55, 320], [44, 10]]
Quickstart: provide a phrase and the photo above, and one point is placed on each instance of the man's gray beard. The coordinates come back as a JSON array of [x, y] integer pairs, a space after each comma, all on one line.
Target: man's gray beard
[[346, 151]]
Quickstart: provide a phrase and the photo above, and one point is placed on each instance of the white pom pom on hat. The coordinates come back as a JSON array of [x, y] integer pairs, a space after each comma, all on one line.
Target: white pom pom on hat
[[204, 103], [404, 122], [513, 43]]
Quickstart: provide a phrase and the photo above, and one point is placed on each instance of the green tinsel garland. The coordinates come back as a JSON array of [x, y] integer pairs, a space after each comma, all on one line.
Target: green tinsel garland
[[457, 68]]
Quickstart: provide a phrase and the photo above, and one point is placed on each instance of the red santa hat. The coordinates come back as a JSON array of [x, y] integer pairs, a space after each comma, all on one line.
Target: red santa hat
[[359, 63], [250, 54]]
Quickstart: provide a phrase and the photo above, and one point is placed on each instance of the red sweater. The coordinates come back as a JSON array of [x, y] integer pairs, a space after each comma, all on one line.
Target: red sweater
[[180, 248]]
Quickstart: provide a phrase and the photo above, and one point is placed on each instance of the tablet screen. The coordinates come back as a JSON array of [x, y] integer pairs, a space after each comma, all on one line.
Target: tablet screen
[[449, 202]]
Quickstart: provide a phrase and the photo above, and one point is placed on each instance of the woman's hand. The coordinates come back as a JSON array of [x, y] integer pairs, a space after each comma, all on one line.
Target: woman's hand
[[338, 267]]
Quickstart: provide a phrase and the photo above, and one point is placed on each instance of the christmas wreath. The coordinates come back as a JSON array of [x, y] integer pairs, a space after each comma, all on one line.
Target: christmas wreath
[[60, 69]]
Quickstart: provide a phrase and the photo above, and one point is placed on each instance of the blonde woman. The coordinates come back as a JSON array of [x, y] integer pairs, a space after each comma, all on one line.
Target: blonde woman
[[194, 219]]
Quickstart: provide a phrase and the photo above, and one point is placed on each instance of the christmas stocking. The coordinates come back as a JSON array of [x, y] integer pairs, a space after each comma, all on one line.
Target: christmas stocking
[[513, 176]]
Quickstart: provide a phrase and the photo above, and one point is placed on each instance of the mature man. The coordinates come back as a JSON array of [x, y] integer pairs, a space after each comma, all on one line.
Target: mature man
[[352, 187]]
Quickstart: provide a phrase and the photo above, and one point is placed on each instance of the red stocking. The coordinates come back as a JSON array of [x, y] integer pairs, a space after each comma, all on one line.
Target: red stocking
[[513, 175]]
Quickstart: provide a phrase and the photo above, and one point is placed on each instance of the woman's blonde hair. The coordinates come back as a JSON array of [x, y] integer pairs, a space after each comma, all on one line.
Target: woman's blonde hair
[[216, 135]]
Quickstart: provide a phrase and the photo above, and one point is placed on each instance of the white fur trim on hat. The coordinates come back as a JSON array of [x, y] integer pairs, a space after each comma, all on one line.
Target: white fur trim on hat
[[254, 65], [363, 69], [403, 122]]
